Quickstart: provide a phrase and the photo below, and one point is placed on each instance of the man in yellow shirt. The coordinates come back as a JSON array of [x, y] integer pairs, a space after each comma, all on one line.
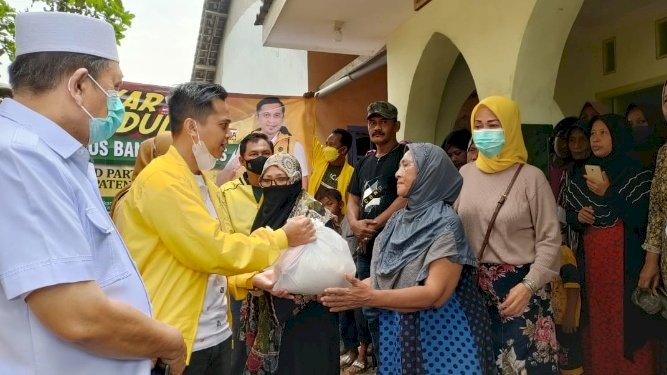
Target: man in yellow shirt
[[170, 222], [241, 197], [240, 202], [330, 167]]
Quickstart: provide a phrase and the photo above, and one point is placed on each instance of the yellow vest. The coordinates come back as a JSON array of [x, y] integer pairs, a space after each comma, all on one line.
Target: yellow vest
[[283, 144], [320, 166], [176, 243]]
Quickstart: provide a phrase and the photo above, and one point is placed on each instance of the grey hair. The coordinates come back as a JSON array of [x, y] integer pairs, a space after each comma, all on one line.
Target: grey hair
[[42, 71]]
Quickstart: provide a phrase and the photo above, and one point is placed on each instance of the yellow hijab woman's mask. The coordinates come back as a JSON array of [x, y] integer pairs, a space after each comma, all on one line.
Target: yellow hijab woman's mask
[[514, 150]]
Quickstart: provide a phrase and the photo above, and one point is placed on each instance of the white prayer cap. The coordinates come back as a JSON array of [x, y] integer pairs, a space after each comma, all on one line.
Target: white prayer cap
[[64, 32]]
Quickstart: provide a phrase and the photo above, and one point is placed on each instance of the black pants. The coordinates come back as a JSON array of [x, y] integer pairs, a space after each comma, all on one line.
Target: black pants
[[309, 343], [348, 330], [215, 360]]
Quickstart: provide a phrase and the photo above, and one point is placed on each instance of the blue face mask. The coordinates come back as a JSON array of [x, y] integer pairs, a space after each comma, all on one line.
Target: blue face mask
[[489, 141], [101, 129]]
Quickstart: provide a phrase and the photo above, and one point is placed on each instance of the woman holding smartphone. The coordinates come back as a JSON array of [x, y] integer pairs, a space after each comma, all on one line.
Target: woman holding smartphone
[[609, 199]]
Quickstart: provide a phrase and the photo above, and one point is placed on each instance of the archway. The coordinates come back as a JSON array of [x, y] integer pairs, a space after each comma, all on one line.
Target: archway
[[458, 99], [539, 59], [428, 85]]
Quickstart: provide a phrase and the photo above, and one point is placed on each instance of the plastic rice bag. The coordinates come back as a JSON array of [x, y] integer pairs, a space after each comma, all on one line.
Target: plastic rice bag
[[311, 268]]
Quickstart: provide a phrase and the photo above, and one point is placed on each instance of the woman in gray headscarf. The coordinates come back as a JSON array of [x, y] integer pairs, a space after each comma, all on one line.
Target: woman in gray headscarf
[[432, 316]]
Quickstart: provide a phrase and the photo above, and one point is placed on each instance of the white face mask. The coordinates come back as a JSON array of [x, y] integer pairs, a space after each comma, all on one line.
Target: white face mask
[[205, 161]]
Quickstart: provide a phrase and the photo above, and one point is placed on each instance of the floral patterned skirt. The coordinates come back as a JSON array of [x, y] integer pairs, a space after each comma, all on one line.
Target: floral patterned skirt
[[525, 344]]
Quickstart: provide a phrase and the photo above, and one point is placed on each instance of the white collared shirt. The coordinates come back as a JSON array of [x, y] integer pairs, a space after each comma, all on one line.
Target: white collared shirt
[[54, 229]]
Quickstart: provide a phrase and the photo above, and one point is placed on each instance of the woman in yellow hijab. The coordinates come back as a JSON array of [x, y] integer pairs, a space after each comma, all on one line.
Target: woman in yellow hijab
[[512, 151], [522, 252]]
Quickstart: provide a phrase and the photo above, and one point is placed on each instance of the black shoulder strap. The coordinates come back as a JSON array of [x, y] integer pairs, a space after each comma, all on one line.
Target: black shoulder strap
[[499, 205]]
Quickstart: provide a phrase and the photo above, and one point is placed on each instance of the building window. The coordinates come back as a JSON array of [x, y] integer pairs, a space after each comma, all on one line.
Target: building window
[[609, 56], [661, 38]]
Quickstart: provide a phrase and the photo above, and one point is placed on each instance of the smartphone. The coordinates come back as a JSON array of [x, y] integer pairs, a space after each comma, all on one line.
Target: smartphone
[[594, 172]]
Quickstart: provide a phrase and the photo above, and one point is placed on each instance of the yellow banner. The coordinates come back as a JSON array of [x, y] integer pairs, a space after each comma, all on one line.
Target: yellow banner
[[112, 178], [147, 114]]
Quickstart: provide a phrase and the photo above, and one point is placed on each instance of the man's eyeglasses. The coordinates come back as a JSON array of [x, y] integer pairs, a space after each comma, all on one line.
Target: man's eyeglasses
[[278, 181]]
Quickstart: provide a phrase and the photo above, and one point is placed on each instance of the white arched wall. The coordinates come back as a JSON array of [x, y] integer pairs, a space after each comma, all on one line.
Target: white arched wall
[[247, 67], [460, 85], [490, 36], [539, 60], [427, 88]]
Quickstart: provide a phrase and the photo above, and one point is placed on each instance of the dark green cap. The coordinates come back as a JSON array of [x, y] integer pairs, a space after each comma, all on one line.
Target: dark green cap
[[384, 109]]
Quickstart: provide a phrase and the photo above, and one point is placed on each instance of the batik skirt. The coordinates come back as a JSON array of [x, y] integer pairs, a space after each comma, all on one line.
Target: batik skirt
[[525, 344]]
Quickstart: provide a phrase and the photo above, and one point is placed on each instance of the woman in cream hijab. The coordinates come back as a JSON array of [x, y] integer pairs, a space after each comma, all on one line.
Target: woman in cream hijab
[[523, 250]]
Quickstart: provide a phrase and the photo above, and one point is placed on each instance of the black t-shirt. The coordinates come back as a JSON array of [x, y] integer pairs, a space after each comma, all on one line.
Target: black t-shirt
[[374, 182]]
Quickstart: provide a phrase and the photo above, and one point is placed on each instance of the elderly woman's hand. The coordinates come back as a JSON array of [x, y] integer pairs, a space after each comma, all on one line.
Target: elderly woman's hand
[[340, 299]]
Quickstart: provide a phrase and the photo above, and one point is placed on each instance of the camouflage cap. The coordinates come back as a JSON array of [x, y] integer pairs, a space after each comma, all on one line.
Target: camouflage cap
[[384, 109]]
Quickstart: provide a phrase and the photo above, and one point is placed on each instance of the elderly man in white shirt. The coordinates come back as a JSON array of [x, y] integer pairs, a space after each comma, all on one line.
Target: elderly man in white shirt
[[71, 299]]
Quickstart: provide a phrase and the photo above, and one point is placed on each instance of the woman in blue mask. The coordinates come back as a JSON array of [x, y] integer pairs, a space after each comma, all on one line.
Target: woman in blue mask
[[511, 221]]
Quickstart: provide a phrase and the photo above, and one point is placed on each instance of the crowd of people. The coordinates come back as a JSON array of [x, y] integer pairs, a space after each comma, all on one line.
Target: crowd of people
[[468, 259]]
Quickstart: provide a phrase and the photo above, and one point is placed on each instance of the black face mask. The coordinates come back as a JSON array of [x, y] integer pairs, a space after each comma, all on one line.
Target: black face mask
[[277, 205], [256, 165]]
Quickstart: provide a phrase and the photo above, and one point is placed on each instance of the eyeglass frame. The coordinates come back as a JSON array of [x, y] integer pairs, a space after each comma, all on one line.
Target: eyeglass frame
[[278, 181]]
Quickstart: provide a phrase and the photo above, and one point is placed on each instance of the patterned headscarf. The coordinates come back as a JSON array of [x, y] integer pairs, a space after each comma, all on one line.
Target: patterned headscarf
[[282, 202], [514, 151], [287, 163]]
